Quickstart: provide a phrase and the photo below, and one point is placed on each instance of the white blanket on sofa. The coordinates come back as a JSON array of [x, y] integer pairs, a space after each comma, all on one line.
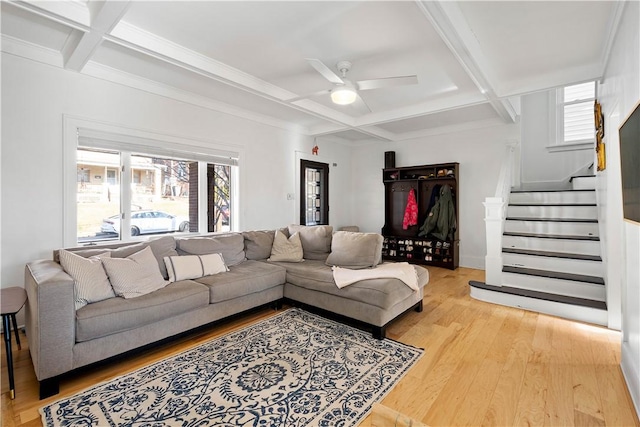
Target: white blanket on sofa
[[390, 270]]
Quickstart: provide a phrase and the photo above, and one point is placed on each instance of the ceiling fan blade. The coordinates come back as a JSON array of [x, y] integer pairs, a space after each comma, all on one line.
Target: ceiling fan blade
[[360, 105], [325, 71], [387, 82], [309, 95]]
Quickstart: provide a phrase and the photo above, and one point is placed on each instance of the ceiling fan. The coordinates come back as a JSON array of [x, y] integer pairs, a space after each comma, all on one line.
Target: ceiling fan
[[345, 91]]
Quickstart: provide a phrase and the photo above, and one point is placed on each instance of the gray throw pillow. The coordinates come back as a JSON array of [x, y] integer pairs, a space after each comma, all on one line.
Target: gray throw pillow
[[316, 240], [355, 250], [257, 244], [231, 246], [136, 275]]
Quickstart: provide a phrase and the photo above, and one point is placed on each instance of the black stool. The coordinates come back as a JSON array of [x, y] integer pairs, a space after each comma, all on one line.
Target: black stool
[[12, 300]]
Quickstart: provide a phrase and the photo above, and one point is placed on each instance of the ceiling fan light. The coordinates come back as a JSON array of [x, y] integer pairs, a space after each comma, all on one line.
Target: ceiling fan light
[[343, 96]]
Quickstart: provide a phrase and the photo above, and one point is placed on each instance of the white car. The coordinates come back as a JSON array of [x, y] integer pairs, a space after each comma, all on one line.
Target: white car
[[147, 222]]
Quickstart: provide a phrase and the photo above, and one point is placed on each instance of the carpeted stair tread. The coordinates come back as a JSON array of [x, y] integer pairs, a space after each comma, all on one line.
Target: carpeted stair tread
[[551, 236], [526, 218], [552, 254], [554, 275], [583, 302]]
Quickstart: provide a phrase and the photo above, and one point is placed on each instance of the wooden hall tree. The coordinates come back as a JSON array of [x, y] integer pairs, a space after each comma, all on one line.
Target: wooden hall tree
[[405, 240]]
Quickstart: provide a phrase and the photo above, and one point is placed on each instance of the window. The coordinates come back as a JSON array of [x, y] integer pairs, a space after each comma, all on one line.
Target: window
[[575, 123], [123, 190]]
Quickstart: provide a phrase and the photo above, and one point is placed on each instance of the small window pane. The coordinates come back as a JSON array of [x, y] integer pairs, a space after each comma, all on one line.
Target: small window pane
[[580, 92], [98, 195], [161, 195], [578, 122]]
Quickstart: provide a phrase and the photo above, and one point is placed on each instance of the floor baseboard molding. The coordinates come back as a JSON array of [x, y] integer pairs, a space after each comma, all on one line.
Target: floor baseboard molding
[[631, 375]]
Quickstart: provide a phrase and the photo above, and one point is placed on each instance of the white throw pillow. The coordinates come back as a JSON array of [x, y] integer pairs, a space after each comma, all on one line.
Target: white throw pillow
[[91, 283], [288, 250], [136, 275], [193, 266]]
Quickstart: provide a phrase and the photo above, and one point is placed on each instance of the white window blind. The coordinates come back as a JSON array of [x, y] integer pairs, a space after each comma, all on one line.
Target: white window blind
[[112, 141], [577, 113]]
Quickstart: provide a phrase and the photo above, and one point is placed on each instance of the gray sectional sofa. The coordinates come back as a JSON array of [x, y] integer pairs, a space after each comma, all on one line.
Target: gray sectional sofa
[[63, 337]]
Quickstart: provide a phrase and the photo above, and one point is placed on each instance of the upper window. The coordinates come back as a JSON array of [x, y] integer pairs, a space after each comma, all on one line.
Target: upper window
[[575, 113]]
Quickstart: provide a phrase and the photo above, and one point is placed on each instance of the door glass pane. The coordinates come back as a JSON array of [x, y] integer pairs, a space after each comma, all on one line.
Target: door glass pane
[[98, 194], [313, 196]]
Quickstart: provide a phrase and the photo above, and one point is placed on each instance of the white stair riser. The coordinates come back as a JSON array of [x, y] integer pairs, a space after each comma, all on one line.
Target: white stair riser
[[581, 212], [587, 247], [550, 227], [554, 197], [584, 183], [555, 286], [567, 311], [563, 265]]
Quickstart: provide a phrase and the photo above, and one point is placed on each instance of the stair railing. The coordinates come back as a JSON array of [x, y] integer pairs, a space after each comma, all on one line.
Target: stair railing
[[495, 211]]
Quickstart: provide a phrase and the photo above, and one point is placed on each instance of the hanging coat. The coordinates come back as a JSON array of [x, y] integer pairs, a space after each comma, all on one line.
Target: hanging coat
[[411, 211], [441, 221]]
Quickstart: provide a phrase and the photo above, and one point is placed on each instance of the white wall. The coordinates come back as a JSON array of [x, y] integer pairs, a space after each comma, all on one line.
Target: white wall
[[479, 152], [542, 167], [36, 96], [618, 93]]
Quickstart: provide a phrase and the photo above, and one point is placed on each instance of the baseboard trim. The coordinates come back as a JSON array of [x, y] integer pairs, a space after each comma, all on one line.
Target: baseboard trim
[[631, 375]]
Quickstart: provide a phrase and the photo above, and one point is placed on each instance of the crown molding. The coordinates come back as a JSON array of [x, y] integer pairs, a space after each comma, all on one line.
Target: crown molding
[[113, 75], [27, 50], [72, 13]]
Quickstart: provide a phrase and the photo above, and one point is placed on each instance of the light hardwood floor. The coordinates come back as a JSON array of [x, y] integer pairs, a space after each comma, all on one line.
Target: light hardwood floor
[[484, 364]]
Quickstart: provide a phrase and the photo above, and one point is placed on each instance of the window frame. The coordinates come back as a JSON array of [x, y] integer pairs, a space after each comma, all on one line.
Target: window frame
[[129, 142], [557, 118]]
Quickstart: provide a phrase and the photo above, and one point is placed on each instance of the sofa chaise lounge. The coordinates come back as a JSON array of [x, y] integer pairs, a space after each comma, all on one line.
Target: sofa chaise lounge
[[64, 336]]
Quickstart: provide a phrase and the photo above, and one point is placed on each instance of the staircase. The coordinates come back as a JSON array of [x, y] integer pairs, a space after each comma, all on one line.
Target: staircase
[[551, 254]]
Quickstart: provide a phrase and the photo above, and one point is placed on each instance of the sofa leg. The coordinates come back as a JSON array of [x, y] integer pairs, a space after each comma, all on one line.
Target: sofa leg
[[418, 307], [277, 305], [379, 332], [49, 387]]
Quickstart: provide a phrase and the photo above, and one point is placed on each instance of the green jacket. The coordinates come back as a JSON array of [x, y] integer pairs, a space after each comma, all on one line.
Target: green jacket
[[441, 221]]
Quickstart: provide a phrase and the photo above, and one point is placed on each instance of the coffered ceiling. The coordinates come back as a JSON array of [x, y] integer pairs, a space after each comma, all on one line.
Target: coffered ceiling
[[472, 59]]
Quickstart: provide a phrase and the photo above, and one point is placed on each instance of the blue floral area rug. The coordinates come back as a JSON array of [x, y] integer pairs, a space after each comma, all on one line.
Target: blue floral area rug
[[293, 369]]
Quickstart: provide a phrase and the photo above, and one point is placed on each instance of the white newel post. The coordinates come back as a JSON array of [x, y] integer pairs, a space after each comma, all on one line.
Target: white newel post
[[494, 217]]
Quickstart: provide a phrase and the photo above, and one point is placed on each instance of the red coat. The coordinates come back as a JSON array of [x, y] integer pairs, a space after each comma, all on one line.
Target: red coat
[[411, 211]]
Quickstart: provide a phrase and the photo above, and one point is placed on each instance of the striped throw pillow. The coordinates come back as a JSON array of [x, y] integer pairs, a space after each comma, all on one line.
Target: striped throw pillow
[[91, 283], [186, 267], [136, 275]]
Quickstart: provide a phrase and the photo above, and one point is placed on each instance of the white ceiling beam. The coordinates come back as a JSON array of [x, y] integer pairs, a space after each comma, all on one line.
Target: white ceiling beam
[[450, 23], [552, 79], [162, 49], [612, 30], [81, 45], [422, 109], [71, 13]]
